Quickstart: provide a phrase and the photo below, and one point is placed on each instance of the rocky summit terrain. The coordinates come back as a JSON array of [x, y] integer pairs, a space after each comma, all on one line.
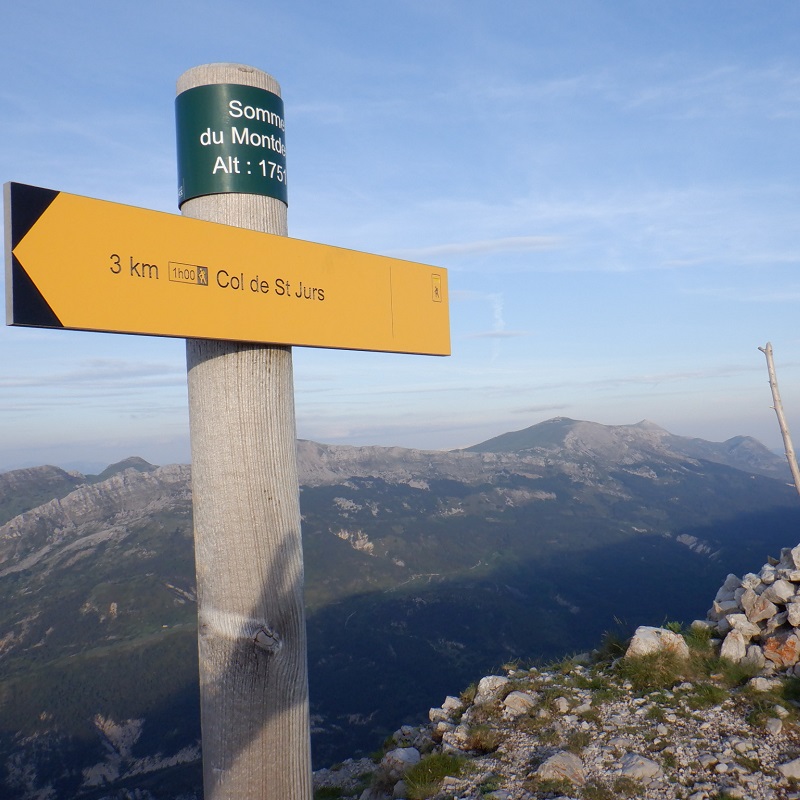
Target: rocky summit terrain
[[673, 713]]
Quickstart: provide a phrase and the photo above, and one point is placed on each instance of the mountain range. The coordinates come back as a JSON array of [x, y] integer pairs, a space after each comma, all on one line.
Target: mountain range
[[424, 571]]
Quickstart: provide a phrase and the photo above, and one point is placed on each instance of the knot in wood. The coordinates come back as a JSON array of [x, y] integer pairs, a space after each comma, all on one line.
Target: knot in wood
[[268, 640]]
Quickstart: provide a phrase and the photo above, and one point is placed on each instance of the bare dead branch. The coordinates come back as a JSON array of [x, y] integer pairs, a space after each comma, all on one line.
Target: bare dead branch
[[778, 406]]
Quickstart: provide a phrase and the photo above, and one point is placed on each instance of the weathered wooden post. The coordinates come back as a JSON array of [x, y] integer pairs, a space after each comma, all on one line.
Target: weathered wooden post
[[252, 639]]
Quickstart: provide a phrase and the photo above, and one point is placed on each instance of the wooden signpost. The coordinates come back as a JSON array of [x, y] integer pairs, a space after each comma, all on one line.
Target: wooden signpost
[[241, 293]]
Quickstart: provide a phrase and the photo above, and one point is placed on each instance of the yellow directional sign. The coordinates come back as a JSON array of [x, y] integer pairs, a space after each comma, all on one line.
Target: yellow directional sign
[[77, 263]]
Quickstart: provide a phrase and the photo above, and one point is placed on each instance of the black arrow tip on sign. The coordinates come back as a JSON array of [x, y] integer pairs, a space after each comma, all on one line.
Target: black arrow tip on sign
[[28, 307], [24, 207], [27, 204]]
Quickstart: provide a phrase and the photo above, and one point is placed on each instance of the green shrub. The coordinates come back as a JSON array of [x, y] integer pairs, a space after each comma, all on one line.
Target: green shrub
[[490, 783], [669, 760], [733, 674], [762, 708], [424, 778], [622, 787], [578, 740], [626, 787], [483, 739], [660, 670], [553, 787], [596, 682], [597, 791], [613, 644], [468, 695], [790, 690], [751, 764], [707, 695]]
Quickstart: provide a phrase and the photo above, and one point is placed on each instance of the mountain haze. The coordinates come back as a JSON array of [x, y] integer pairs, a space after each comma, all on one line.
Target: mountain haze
[[424, 571]]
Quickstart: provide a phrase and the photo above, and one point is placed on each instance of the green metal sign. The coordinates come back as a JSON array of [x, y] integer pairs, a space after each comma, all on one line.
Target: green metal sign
[[231, 138]]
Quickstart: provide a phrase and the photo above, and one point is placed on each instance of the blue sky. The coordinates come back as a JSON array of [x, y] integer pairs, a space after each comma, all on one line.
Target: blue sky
[[613, 187]]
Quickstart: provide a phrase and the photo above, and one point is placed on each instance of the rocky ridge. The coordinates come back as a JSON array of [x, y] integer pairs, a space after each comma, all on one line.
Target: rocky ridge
[[90, 514], [558, 441], [686, 714]]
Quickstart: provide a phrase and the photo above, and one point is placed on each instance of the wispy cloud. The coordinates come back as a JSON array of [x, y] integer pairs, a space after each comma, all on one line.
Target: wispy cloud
[[544, 408], [564, 88], [519, 244], [496, 303], [741, 294], [672, 87], [111, 373], [733, 90], [497, 335]]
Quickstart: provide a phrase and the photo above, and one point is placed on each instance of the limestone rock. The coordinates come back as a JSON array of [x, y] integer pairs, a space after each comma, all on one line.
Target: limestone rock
[[561, 704], [793, 611], [653, 640], [639, 767], [396, 762], [779, 592], [518, 703], [488, 688], [452, 703], [563, 766], [747, 600], [729, 586], [768, 574], [734, 647], [751, 581], [790, 769], [761, 609], [450, 707], [773, 623], [782, 649], [722, 608], [458, 738], [755, 657], [790, 558], [740, 623], [774, 726]]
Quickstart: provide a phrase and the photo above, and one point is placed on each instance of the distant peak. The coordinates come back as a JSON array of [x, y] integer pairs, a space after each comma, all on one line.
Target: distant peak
[[134, 462], [647, 425]]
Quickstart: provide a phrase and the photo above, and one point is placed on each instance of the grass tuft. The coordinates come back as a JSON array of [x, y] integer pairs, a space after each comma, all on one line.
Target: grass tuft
[[660, 670], [467, 697], [424, 778], [483, 739], [707, 695], [577, 741]]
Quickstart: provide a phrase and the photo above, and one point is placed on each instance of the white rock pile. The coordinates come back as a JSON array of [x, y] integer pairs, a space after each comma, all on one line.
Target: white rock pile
[[758, 616]]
